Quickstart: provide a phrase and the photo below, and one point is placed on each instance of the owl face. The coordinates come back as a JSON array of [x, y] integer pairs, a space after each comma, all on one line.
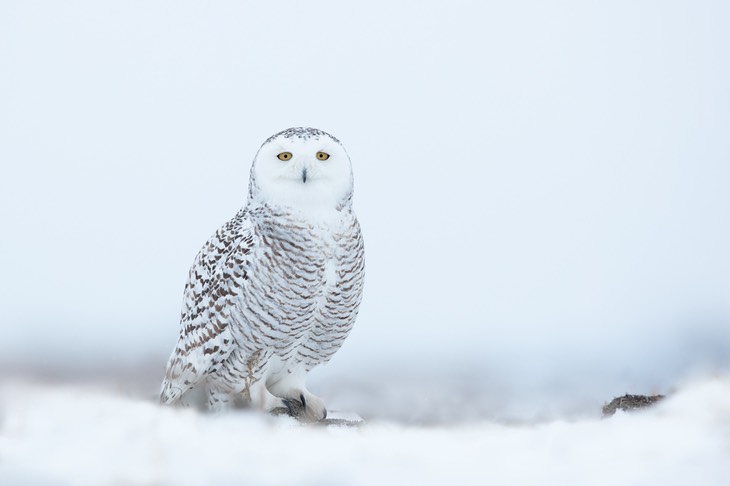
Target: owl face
[[302, 168]]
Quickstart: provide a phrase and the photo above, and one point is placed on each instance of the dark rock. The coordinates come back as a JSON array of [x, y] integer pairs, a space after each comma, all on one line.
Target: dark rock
[[630, 402]]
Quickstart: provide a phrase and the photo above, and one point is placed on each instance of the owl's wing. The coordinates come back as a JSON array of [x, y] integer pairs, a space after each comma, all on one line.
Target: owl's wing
[[217, 276]]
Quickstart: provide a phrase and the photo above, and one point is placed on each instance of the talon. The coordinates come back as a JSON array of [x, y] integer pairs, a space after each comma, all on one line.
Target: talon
[[293, 407], [289, 407], [304, 402]]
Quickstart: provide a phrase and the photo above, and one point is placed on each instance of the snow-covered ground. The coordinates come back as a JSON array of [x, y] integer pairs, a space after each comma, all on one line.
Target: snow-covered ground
[[83, 435]]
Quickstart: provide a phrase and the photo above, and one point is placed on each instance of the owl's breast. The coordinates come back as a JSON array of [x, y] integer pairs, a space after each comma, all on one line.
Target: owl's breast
[[303, 293]]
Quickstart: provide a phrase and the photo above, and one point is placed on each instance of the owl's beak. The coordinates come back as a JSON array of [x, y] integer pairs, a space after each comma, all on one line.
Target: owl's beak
[[304, 175]]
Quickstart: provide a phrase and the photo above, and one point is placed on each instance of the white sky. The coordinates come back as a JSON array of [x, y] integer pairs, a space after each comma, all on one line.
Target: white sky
[[543, 187]]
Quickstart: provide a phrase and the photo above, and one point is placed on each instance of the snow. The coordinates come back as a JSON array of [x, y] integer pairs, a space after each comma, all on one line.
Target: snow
[[88, 435], [543, 194]]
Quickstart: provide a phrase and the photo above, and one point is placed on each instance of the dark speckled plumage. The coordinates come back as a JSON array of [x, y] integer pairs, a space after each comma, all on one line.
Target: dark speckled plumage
[[270, 292]]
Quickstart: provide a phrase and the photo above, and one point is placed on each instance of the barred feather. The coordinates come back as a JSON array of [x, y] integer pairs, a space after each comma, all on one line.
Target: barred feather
[[272, 291]]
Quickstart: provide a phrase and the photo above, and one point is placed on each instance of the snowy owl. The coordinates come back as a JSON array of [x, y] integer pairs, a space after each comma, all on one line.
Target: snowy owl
[[276, 290]]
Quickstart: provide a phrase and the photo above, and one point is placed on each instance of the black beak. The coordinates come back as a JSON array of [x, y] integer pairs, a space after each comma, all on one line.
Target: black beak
[[304, 175]]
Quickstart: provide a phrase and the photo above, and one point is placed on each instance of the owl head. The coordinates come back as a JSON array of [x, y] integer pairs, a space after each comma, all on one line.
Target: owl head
[[302, 168]]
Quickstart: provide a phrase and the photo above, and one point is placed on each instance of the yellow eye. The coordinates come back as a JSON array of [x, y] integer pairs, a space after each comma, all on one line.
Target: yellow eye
[[285, 156], [322, 156]]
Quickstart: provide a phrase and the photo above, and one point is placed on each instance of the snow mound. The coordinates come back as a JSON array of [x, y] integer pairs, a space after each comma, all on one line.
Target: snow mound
[[81, 435]]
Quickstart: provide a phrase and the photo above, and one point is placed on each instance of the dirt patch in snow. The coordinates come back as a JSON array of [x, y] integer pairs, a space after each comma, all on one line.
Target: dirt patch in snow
[[630, 402]]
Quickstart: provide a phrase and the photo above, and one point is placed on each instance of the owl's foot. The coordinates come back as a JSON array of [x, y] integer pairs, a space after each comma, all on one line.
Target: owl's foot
[[292, 407], [306, 408]]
